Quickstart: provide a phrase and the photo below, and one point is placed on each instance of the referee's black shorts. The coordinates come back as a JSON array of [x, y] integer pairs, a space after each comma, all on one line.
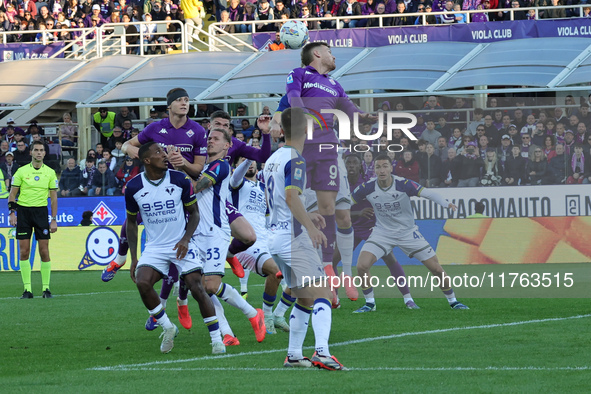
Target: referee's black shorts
[[29, 218]]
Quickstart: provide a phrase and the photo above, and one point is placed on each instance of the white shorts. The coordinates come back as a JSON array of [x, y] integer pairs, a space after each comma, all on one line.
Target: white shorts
[[254, 257], [213, 249], [343, 195], [160, 261], [297, 259], [413, 244]]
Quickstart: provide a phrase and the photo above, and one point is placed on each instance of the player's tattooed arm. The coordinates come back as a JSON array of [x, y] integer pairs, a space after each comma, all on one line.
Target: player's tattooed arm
[[201, 184]]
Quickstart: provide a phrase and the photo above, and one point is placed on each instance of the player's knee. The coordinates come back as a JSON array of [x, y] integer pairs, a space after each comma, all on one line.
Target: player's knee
[[343, 218], [143, 285]]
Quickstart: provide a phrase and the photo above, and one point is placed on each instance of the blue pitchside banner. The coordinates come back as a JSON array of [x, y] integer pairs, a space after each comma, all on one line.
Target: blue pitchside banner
[[476, 32], [18, 51]]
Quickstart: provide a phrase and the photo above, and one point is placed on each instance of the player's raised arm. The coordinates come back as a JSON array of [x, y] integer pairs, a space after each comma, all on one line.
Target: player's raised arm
[[237, 178]]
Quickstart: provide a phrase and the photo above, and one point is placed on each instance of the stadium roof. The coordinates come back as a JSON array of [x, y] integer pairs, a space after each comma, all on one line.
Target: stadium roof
[[527, 65]]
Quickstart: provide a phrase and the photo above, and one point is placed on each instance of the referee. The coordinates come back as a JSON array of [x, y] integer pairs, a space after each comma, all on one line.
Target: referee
[[32, 183]]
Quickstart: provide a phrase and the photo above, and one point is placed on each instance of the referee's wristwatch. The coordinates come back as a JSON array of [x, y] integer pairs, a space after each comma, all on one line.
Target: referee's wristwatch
[[54, 218]]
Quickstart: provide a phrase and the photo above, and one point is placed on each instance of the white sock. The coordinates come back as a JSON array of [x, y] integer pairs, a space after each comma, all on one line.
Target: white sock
[[298, 327], [120, 259], [345, 243], [321, 323], [244, 281], [163, 320], [214, 333], [285, 302], [163, 302], [183, 302], [232, 297], [219, 312], [451, 298], [407, 297]]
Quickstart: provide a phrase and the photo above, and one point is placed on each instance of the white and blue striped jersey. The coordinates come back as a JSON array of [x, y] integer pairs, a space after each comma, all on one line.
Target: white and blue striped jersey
[[391, 206], [285, 169], [212, 201], [161, 206], [249, 199]]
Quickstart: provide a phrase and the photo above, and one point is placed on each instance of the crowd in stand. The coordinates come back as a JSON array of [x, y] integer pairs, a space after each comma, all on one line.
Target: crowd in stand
[[57, 15]]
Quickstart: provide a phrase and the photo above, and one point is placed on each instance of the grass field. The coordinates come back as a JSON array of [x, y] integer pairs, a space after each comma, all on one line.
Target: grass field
[[90, 338]]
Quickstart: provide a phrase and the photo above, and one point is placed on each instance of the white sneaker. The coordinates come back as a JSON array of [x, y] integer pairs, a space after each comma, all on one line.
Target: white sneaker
[[218, 348], [168, 336], [270, 325], [280, 323]]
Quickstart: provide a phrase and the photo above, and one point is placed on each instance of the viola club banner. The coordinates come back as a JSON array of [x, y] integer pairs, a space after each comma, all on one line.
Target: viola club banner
[[18, 51], [477, 32]]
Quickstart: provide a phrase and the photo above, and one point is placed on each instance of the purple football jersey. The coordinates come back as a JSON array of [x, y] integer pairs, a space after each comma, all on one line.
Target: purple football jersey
[[190, 138], [306, 88]]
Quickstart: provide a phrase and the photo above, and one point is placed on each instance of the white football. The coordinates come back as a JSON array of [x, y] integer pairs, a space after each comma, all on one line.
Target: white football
[[294, 34]]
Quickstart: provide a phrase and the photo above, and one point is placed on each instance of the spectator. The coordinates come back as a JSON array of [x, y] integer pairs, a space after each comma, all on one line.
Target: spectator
[[548, 147], [368, 165], [87, 175], [68, 130], [103, 182], [117, 136], [407, 167], [117, 154], [492, 171], [459, 16], [480, 16], [429, 167], [555, 13], [194, 13], [581, 136], [9, 166], [584, 115], [483, 146], [569, 142], [86, 218], [442, 148], [558, 168], [154, 116], [265, 14], [490, 130], [94, 15], [577, 166], [108, 159], [430, 134], [538, 134], [514, 173], [449, 170], [125, 130], [536, 166], [235, 10], [369, 8], [504, 151], [4, 148], [104, 122], [148, 33], [349, 8], [22, 156], [450, 16], [70, 180], [456, 139], [249, 13], [469, 165], [280, 9], [525, 145], [231, 29], [400, 17], [478, 115], [123, 115], [128, 169]]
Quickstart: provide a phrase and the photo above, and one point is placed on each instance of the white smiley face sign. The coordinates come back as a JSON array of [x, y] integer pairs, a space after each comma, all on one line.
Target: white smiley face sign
[[102, 245]]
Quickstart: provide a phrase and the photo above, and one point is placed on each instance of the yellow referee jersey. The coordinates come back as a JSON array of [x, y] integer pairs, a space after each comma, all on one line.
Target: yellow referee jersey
[[34, 185]]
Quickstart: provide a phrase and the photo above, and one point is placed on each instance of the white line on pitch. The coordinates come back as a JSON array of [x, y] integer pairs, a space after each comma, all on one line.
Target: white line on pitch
[[79, 294], [403, 369], [345, 343]]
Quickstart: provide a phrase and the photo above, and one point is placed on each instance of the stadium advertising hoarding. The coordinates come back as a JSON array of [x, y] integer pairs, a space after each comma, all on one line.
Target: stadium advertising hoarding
[[470, 32], [547, 224], [14, 51]]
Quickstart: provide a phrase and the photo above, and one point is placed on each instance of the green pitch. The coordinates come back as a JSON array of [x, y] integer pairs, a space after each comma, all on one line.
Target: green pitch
[[91, 338]]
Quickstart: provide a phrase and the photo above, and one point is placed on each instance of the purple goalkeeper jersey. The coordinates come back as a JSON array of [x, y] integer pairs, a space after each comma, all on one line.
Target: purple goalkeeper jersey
[[190, 138], [306, 88]]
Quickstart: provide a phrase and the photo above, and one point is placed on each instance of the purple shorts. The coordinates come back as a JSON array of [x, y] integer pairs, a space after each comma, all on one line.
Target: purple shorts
[[322, 168], [232, 212]]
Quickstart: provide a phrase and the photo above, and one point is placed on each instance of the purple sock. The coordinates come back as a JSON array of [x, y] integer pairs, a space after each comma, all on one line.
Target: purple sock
[[123, 245], [183, 291], [330, 231], [237, 246], [173, 276], [396, 271]]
